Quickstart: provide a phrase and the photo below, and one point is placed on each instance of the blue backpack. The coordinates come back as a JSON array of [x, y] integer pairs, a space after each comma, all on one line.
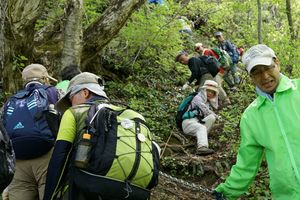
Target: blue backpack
[[236, 54], [25, 119]]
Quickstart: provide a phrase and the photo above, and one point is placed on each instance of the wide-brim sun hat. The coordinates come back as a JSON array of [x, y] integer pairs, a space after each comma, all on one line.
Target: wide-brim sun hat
[[259, 54], [211, 85], [85, 80]]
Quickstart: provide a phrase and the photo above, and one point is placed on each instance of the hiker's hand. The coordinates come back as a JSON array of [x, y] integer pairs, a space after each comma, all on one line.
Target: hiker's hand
[[185, 86], [218, 195]]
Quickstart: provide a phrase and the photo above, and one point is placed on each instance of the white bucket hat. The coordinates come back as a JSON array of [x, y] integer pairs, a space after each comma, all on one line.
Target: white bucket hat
[[211, 85]]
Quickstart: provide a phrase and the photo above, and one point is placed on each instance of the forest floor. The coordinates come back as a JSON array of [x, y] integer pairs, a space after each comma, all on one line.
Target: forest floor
[[187, 176]]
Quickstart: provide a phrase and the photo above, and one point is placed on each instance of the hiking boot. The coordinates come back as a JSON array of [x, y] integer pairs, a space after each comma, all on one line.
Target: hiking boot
[[204, 151]]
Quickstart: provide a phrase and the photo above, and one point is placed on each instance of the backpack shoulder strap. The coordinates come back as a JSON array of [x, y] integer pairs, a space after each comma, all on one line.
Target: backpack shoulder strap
[[3, 134], [22, 93]]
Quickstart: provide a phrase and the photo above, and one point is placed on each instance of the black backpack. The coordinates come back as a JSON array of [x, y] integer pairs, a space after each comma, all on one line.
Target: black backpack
[[7, 159], [211, 64], [122, 161]]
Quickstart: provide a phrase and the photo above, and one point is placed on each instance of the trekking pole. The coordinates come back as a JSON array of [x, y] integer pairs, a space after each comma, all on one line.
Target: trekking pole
[[162, 153]]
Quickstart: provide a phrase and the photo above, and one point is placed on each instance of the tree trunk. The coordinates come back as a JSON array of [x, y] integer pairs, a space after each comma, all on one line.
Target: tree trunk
[[71, 53], [259, 22], [3, 7], [19, 33], [58, 44], [106, 28], [289, 68], [290, 20]]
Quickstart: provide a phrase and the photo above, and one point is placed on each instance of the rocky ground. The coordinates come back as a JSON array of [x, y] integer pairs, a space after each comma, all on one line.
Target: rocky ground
[[193, 176]]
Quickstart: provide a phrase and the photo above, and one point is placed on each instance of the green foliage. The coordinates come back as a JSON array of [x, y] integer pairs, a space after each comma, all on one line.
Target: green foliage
[[53, 11], [18, 63], [93, 10], [150, 40], [149, 101]]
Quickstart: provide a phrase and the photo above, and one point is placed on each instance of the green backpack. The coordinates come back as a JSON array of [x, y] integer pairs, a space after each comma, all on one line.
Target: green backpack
[[123, 159], [224, 57], [182, 112]]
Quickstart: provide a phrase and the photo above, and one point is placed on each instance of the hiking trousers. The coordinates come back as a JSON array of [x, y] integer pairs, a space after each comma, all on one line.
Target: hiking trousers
[[195, 128], [30, 178], [222, 94], [232, 71], [204, 77]]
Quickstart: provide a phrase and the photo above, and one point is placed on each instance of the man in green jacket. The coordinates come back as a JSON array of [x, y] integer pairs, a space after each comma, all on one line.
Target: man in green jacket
[[269, 128]]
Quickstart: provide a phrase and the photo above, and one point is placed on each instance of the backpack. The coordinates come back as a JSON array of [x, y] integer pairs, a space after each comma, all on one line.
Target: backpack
[[7, 159], [25, 119], [182, 113], [211, 64], [236, 54], [123, 160], [224, 57]]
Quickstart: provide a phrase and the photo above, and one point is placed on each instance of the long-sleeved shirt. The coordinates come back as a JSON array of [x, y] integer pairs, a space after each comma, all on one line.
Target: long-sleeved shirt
[[197, 69]]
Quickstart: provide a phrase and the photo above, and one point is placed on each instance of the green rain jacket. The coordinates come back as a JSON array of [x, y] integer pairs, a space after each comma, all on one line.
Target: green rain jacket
[[270, 128]]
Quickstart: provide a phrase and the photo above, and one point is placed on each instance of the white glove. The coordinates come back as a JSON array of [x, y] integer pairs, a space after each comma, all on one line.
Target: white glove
[[185, 85]]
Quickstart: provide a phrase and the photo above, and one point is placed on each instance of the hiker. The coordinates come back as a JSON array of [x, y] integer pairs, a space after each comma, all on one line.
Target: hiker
[[66, 74], [25, 119], [156, 1], [198, 70], [199, 48], [200, 125], [83, 94], [269, 129], [233, 53], [186, 26], [82, 88]]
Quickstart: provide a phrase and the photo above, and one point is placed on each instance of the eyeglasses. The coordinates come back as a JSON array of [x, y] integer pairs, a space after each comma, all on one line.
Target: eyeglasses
[[71, 96], [260, 70]]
